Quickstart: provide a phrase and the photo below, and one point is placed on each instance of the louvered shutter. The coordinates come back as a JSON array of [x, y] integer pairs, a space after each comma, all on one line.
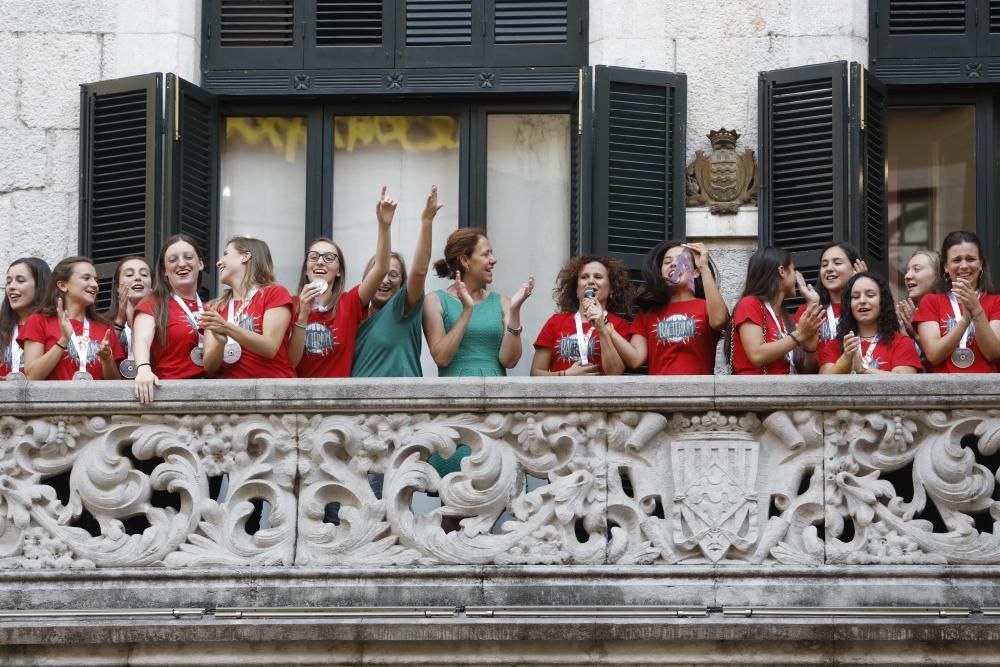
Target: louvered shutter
[[926, 28], [529, 32], [192, 175], [989, 28], [803, 135], [439, 32], [869, 139], [639, 152], [121, 124], [349, 33], [252, 34]]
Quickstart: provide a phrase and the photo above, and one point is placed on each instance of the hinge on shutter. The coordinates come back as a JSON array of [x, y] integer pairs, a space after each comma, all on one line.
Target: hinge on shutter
[[580, 29], [208, 36], [303, 31], [876, 18], [483, 28]]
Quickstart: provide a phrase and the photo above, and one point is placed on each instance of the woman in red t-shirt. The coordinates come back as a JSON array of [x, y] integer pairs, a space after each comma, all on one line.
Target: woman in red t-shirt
[[681, 312], [327, 318], [959, 325], [838, 261], [27, 280], [66, 339], [868, 339], [132, 282], [166, 338], [578, 339], [763, 340], [246, 329]]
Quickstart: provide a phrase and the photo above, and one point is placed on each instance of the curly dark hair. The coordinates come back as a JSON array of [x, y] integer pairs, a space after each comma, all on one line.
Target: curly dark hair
[[655, 291], [888, 323], [619, 296]]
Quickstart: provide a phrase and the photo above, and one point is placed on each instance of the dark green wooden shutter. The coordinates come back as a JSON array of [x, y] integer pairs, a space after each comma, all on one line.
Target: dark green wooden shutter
[[192, 149], [926, 28], [252, 34], [803, 135], [121, 123], [531, 32], [349, 33], [639, 163], [439, 32], [869, 140]]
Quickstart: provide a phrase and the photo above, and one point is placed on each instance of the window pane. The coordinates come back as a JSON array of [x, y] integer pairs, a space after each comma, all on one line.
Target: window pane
[[528, 210], [932, 179], [408, 154], [263, 173]]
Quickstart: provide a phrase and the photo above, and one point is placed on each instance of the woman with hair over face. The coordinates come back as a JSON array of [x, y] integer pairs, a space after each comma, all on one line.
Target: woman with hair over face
[[681, 312], [166, 338], [868, 339], [246, 329], [838, 261], [578, 339], [389, 340], [131, 284], [27, 281], [959, 325], [764, 341], [327, 317], [66, 338]]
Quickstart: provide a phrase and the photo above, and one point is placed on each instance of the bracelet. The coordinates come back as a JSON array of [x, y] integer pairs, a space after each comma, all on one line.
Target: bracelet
[[300, 326], [798, 343], [977, 314], [60, 345], [145, 363], [119, 327], [515, 332], [808, 351]]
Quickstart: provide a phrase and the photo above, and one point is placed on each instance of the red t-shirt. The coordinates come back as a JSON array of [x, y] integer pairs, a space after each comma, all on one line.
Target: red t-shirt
[[45, 330], [937, 308], [171, 358], [559, 335], [252, 365], [679, 338], [900, 352], [329, 345], [751, 309], [827, 330]]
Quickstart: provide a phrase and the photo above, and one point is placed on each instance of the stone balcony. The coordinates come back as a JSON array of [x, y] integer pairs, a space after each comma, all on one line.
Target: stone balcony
[[789, 521]]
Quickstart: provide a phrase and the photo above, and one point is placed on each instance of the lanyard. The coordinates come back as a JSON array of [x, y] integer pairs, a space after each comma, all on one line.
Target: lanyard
[[192, 320], [781, 334], [127, 332], [583, 341], [832, 320], [964, 343], [15, 352], [867, 360], [243, 306], [82, 344]]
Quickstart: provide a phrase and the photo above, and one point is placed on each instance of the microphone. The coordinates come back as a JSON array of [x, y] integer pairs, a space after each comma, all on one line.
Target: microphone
[[590, 293]]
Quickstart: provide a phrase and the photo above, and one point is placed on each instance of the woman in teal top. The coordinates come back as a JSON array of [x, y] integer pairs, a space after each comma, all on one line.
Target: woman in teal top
[[388, 342], [471, 332]]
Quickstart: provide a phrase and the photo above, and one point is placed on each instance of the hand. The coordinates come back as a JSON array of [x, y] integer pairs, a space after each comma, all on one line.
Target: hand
[[65, 326], [521, 295], [810, 322], [104, 352], [123, 315], [860, 265], [145, 380], [807, 291], [213, 322], [594, 313], [581, 370], [905, 310], [385, 209], [308, 294], [699, 253], [432, 207], [966, 295], [462, 293], [852, 351]]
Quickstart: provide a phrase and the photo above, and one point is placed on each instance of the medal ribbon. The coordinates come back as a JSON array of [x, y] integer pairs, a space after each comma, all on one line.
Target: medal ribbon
[[964, 343], [127, 331], [867, 359], [782, 333], [15, 352], [192, 320], [82, 344], [243, 309], [583, 340], [832, 319]]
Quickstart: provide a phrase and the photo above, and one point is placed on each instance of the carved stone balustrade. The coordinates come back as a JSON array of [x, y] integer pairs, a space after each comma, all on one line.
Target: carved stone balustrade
[[795, 492]]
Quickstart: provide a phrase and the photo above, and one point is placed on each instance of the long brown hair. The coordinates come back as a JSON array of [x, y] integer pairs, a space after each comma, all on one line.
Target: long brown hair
[[62, 272], [40, 273], [260, 268], [161, 284], [337, 288]]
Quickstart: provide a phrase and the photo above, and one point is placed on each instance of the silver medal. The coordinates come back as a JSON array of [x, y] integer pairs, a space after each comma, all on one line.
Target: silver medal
[[82, 376], [963, 357], [128, 369], [232, 353], [198, 355], [16, 376]]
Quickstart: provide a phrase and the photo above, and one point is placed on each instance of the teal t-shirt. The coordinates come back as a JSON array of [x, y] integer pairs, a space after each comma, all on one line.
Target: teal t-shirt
[[388, 342]]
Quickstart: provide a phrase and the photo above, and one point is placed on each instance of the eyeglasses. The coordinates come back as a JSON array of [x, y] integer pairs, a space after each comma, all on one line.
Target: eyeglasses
[[393, 275], [327, 257]]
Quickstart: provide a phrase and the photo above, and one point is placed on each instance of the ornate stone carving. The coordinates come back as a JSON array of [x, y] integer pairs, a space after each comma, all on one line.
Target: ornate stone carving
[[724, 180], [486, 513], [936, 505], [112, 515], [715, 488]]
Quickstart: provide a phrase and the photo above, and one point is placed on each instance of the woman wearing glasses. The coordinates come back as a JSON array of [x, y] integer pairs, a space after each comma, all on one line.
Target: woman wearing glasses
[[327, 317]]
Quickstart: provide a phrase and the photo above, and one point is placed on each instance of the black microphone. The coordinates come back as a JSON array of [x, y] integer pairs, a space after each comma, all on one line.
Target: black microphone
[[590, 293]]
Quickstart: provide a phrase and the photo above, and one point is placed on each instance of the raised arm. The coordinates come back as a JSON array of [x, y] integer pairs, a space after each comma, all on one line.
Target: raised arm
[[417, 277], [385, 209], [718, 313]]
